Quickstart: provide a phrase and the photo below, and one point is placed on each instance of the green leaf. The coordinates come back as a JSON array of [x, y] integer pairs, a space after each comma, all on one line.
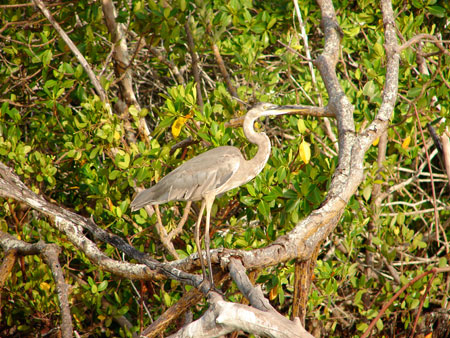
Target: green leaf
[[102, 286], [46, 57], [123, 162], [183, 5], [264, 209], [379, 325], [437, 11], [123, 310], [414, 92]]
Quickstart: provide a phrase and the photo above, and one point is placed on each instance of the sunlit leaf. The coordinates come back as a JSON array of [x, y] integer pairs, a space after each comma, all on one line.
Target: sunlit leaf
[[406, 142], [178, 124], [305, 151]]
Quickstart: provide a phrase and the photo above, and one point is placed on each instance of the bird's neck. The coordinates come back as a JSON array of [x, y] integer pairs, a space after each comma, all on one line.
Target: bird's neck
[[261, 140]]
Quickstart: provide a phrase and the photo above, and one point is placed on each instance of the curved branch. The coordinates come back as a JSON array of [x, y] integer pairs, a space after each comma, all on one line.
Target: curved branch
[[252, 293], [389, 97]]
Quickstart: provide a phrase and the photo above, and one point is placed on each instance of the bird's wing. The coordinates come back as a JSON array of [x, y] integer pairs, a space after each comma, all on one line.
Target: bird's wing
[[206, 172], [203, 173]]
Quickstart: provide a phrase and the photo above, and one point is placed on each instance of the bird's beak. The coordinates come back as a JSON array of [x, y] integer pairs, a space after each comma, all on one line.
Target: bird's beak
[[292, 109], [303, 110]]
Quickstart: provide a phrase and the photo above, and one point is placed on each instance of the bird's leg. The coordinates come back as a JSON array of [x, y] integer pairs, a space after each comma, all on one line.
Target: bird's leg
[[209, 200], [197, 239]]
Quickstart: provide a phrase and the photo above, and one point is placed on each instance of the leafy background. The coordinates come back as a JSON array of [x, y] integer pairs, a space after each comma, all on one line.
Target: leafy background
[[58, 136]]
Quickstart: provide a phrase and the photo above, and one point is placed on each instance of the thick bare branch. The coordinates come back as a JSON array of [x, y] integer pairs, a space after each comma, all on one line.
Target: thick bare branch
[[252, 293], [50, 252], [390, 91], [188, 300], [224, 317], [72, 225]]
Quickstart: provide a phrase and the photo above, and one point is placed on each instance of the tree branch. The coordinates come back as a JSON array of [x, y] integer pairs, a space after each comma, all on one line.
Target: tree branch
[[122, 65], [87, 68], [195, 67], [420, 37], [72, 225], [50, 253], [224, 317]]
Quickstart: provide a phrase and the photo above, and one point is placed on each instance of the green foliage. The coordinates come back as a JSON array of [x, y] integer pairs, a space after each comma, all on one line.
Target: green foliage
[[59, 137]]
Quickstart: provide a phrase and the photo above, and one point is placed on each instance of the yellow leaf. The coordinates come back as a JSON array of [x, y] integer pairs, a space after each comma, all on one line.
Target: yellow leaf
[[178, 124], [305, 152], [45, 286], [375, 143], [429, 335], [406, 142], [273, 293], [110, 204]]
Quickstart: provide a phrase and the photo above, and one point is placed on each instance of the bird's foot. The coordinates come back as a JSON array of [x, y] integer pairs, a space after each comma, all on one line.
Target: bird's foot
[[206, 286], [214, 289]]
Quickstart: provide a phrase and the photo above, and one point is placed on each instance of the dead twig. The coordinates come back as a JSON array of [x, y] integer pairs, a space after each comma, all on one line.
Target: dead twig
[[436, 214], [87, 68], [398, 293], [420, 37], [195, 66]]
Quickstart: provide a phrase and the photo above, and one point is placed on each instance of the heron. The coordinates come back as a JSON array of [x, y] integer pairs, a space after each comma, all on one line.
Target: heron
[[213, 173]]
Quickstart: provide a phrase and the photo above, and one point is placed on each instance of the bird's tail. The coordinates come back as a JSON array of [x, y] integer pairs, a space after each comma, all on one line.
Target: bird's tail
[[142, 199]]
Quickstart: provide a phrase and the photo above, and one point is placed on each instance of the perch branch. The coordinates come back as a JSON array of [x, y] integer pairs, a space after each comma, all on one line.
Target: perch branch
[[188, 300], [252, 293], [72, 225], [224, 317]]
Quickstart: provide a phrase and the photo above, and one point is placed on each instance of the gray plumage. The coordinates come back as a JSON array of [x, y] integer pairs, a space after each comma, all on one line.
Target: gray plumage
[[208, 171], [212, 173]]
